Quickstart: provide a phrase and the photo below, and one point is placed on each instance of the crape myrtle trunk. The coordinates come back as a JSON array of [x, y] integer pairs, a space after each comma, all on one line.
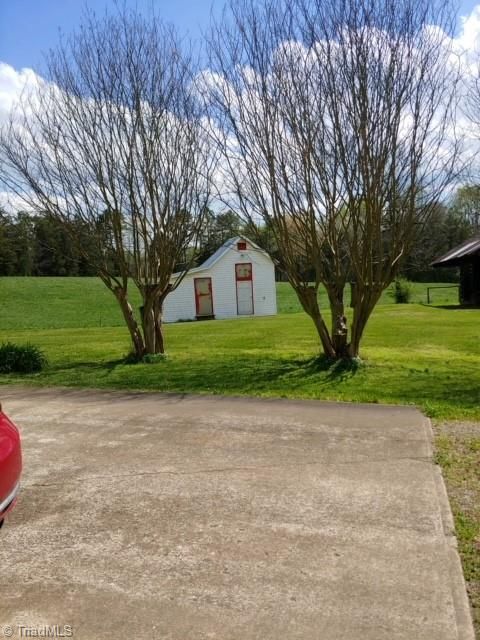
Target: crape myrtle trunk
[[136, 336], [308, 299], [147, 338], [152, 319], [337, 344]]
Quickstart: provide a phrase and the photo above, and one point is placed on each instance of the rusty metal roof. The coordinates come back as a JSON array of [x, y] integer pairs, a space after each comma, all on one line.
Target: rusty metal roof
[[458, 254]]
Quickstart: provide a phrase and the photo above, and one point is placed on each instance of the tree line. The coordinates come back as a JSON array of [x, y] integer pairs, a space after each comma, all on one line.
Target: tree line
[[39, 245], [325, 126]]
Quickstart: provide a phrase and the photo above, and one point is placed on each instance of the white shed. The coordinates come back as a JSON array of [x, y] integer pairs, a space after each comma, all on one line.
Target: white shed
[[237, 280]]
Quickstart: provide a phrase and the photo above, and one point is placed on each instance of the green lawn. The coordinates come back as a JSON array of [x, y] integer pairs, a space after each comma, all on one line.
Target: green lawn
[[60, 303], [413, 353]]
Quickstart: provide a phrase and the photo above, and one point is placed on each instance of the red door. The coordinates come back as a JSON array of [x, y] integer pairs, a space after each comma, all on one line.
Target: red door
[[203, 296]]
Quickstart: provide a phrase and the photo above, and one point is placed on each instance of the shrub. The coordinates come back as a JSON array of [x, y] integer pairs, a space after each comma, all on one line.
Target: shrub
[[24, 358], [402, 291], [153, 358], [149, 358]]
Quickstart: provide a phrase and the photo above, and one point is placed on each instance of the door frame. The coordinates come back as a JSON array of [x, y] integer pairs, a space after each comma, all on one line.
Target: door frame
[[250, 279], [210, 289]]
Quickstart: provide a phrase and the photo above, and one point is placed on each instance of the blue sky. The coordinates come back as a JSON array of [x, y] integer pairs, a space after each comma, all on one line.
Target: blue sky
[[29, 27]]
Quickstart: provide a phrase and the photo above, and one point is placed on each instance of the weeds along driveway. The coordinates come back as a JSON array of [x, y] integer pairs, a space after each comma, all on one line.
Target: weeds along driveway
[[184, 517]]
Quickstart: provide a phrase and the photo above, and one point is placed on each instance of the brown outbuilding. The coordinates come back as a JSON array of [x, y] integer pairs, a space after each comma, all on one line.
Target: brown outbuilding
[[466, 256]]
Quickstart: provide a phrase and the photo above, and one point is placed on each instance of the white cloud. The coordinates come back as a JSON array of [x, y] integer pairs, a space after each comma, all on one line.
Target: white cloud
[[12, 83], [468, 38], [12, 203]]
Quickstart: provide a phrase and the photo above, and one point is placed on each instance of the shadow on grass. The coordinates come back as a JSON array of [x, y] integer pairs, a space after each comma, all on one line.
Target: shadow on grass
[[250, 374], [258, 374], [451, 307], [334, 370], [244, 374], [103, 365]]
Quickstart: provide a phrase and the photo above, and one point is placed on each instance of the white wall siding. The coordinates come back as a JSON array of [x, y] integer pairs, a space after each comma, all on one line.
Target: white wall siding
[[180, 304], [225, 286]]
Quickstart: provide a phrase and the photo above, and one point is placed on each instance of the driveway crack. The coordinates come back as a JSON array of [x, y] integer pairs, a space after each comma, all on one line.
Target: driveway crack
[[421, 459]]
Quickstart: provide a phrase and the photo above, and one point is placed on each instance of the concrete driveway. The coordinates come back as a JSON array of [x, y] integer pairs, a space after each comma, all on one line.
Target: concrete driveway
[[191, 518]]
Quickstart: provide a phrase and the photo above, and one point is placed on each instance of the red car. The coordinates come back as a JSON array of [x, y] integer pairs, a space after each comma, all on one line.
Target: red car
[[10, 464]]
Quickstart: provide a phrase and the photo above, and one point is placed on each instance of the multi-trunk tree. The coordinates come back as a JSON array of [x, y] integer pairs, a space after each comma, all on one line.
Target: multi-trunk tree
[[334, 122], [111, 141]]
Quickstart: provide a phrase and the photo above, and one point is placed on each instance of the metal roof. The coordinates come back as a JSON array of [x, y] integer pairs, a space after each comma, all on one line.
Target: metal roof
[[215, 257], [457, 255], [229, 244]]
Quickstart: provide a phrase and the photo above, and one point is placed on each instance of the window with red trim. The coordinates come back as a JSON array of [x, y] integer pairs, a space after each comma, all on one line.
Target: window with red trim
[[243, 271], [241, 246]]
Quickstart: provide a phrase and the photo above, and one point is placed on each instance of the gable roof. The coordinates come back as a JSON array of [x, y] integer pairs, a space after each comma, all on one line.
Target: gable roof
[[226, 246], [221, 251], [456, 255]]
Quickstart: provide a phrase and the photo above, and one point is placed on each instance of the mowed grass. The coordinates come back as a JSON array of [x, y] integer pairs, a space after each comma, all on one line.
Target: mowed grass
[[414, 354], [60, 303]]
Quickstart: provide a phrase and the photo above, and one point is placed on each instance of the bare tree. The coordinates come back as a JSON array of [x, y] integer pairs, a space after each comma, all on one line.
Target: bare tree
[[334, 120], [112, 140]]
